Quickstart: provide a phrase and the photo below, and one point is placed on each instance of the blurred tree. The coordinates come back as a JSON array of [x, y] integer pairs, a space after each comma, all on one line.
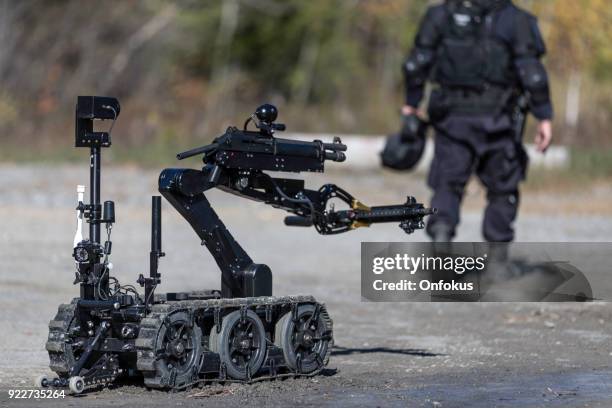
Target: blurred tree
[[190, 67], [311, 52], [314, 53], [578, 35]]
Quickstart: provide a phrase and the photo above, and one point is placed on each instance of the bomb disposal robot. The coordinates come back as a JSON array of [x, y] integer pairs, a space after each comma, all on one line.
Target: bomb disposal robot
[[238, 333]]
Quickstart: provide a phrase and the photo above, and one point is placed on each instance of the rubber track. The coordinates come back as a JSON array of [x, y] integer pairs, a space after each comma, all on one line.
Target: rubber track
[[59, 361], [150, 326]]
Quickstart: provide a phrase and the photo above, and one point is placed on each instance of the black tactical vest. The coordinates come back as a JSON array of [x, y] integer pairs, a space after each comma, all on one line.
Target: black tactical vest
[[470, 55]]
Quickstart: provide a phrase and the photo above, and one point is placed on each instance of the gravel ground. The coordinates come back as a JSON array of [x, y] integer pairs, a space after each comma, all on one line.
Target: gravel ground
[[414, 354]]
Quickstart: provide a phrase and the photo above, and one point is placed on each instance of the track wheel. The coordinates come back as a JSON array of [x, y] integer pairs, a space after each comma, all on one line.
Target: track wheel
[[41, 381], [304, 336], [178, 351], [76, 385], [241, 344]]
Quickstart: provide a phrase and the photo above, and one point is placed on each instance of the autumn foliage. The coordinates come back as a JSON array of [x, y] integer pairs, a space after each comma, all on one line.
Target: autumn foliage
[[184, 70]]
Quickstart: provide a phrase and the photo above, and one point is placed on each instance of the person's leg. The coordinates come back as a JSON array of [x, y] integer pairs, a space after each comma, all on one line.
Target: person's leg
[[501, 170], [450, 170]]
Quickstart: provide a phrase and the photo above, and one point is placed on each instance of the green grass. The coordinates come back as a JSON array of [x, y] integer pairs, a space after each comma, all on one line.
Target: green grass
[[592, 162], [14, 153], [587, 165], [157, 151]]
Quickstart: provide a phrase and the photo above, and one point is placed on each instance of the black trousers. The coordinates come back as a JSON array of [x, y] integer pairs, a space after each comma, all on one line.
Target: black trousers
[[486, 146]]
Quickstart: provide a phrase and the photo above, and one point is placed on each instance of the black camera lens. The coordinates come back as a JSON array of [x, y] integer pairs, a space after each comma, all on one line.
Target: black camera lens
[[267, 113], [81, 254]]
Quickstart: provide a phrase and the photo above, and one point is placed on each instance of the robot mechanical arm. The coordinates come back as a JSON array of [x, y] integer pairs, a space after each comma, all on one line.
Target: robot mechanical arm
[[327, 220], [236, 162], [310, 207], [315, 207]]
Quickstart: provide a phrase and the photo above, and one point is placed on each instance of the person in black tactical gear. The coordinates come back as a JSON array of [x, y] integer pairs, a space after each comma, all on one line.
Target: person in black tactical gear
[[483, 58]]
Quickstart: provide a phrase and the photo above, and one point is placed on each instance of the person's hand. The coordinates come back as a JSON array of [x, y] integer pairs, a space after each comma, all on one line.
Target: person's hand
[[544, 135], [408, 110]]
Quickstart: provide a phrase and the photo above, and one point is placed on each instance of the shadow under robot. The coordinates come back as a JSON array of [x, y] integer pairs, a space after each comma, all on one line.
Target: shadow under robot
[[238, 333]]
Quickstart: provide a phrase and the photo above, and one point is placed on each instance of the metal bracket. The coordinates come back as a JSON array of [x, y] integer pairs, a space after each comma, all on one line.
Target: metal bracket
[[269, 313], [320, 362], [243, 314], [191, 314], [217, 319], [272, 368], [298, 363], [315, 315], [76, 369], [195, 372], [172, 378], [294, 312], [222, 372], [248, 372]]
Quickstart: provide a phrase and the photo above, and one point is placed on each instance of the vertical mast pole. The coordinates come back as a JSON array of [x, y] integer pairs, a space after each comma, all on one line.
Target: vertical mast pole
[[94, 191]]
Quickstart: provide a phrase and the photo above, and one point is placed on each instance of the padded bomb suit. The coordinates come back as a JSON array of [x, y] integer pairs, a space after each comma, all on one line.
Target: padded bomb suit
[[482, 54]]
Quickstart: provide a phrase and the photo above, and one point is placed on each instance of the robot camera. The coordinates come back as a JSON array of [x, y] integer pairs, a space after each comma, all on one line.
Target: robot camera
[[266, 113]]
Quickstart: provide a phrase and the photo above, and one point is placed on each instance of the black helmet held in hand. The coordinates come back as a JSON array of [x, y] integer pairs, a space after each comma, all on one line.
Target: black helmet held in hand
[[413, 128], [404, 150]]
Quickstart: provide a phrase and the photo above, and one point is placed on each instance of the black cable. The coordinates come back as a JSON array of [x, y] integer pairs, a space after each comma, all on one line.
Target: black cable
[[246, 123], [304, 200], [109, 230], [150, 294]]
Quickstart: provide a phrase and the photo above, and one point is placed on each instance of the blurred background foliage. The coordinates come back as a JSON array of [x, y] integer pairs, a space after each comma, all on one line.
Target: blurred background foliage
[[185, 70]]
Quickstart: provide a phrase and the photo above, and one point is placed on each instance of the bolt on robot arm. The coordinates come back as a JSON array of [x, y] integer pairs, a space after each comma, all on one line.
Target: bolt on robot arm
[[236, 163]]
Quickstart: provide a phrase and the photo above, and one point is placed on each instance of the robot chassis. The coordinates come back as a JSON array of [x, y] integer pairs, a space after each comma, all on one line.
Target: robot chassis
[[238, 333]]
